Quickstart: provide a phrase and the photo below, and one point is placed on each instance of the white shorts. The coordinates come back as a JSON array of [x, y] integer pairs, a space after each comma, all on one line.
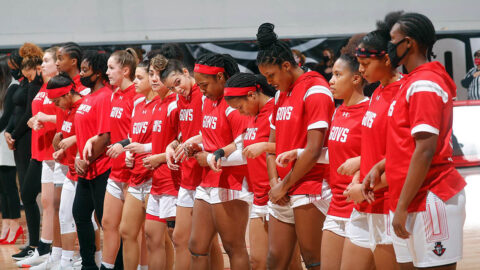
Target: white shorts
[[48, 169], [162, 206], [116, 189], [141, 191], [186, 197], [436, 234], [369, 230], [213, 195], [285, 214], [337, 225], [59, 174], [259, 211]]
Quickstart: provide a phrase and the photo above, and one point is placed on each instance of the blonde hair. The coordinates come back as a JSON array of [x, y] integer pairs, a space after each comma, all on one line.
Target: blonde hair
[[127, 58], [53, 51]]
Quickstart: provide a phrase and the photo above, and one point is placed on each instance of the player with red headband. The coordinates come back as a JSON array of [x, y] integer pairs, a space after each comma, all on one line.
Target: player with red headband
[[92, 165], [299, 196], [427, 196], [224, 187], [61, 91], [176, 78]]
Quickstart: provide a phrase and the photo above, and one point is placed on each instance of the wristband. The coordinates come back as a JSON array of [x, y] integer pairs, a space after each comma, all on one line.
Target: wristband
[[124, 142], [147, 148], [219, 153]]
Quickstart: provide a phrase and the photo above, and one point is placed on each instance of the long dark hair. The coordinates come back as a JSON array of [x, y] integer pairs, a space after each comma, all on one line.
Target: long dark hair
[[5, 79]]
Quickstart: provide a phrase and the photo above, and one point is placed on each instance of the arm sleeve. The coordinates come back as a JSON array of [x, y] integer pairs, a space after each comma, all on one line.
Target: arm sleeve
[[426, 101], [319, 107], [238, 122], [236, 158], [21, 128], [7, 107], [468, 78]]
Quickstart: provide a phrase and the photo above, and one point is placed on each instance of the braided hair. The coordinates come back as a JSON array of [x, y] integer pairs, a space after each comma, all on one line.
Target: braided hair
[[420, 28], [98, 62], [271, 50], [74, 51], [248, 80], [220, 60], [16, 59]]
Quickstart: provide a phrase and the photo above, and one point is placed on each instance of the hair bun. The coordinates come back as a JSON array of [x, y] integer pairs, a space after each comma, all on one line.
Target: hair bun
[[266, 37]]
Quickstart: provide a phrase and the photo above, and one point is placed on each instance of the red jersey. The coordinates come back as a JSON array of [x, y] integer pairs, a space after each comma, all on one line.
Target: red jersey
[[42, 148], [141, 132], [189, 124], [374, 142], [68, 130], [258, 130], [423, 104], [164, 131], [221, 126], [120, 124], [306, 106], [344, 142], [93, 118]]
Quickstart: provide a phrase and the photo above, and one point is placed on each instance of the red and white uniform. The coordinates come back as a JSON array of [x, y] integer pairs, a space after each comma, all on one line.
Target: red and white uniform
[[165, 181], [79, 87], [423, 104], [42, 148], [120, 124], [68, 130], [93, 118], [141, 132], [344, 142], [374, 142], [307, 106], [189, 124], [437, 212], [258, 130], [221, 126]]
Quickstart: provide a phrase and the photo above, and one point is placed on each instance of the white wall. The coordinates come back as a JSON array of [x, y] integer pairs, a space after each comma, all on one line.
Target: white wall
[[133, 21]]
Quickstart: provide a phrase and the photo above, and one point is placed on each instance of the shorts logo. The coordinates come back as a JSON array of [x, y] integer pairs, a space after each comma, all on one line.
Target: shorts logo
[[438, 249]]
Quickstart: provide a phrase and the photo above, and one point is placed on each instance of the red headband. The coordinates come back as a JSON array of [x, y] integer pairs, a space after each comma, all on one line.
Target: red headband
[[58, 92], [238, 91], [364, 53], [208, 69]]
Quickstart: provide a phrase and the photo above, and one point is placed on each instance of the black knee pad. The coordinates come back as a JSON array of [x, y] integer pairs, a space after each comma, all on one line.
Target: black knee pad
[[171, 224], [312, 265], [197, 254]]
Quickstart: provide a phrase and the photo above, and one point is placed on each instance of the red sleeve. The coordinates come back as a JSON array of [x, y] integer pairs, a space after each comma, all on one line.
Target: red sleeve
[[174, 122], [237, 122], [426, 101], [319, 107], [104, 107], [60, 118]]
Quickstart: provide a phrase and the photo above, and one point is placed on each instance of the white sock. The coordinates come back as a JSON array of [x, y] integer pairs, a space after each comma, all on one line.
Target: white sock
[[56, 254], [46, 241], [67, 258], [108, 265], [142, 267], [98, 258]]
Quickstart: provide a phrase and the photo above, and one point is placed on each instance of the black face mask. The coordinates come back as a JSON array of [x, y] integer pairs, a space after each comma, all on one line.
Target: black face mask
[[392, 53], [87, 81], [16, 74], [326, 58], [38, 79]]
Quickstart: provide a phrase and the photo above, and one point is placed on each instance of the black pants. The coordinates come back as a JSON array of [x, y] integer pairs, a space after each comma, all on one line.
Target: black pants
[[8, 188], [22, 154], [89, 196], [30, 190]]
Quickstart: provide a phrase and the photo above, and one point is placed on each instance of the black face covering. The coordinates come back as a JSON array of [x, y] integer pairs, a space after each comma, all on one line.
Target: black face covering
[[16, 74], [87, 81], [392, 53], [38, 79]]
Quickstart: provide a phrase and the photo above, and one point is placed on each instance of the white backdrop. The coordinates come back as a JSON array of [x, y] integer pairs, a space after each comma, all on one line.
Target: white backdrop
[[150, 21]]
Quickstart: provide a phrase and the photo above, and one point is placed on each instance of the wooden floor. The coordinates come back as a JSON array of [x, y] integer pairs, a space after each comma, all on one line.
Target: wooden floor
[[471, 243]]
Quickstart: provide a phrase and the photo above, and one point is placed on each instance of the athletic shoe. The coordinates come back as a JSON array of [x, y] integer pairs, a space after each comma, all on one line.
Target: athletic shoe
[[36, 259], [24, 253], [46, 265]]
